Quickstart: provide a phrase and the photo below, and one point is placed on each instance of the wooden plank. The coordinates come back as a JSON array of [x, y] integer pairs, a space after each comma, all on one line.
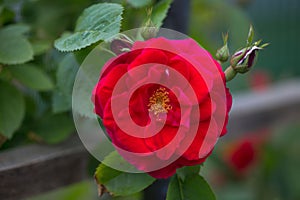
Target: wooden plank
[[33, 169], [255, 110]]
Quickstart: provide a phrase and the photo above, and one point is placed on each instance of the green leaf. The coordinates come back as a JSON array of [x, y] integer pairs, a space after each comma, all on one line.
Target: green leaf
[[40, 47], [194, 187], [139, 3], [60, 102], [86, 79], [115, 159], [53, 129], [120, 183], [32, 77], [12, 108], [104, 174], [65, 76], [188, 171], [14, 47], [160, 11], [127, 184], [66, 73], [14, 50], [81, 96], [98, 22], [15, 30], [175, 189]]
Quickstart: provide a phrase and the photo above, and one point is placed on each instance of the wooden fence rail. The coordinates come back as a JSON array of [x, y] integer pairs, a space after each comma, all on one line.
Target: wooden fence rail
[[33, 169]]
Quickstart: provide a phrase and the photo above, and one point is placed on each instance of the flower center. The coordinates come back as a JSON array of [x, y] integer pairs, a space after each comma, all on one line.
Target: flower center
[[159, 102]]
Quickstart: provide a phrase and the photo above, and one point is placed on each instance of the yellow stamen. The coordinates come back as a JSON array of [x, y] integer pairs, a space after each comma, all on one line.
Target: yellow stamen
[[159, 102]]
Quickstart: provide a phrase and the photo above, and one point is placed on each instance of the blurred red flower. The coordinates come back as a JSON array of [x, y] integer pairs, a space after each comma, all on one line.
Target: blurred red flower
[[243, 156], [245, 152]]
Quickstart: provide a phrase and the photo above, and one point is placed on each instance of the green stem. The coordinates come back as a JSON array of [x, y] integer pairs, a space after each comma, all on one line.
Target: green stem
[[230, 73], [180, 186]]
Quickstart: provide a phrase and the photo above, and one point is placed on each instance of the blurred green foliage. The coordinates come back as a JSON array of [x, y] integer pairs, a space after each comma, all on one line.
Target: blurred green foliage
[[36, 80], [27, 32], [273, 175], [277, 22], [84, 190]]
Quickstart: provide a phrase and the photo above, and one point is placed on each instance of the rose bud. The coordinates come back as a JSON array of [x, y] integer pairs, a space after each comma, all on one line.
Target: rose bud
[[244, 59], [149, 32], [121, 45], [223, 54]]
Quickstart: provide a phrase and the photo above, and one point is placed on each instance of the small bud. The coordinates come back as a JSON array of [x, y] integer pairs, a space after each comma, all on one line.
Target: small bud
[[244, 59], [223, 53], [149, 32], [121, 44]]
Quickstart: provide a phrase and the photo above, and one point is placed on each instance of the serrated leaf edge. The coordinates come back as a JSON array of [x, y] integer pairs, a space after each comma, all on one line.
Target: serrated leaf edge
[[91, 43]]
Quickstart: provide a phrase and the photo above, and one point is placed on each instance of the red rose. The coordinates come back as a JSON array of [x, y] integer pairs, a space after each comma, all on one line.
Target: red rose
[[243, 153], [243, 156], [164, 104]]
